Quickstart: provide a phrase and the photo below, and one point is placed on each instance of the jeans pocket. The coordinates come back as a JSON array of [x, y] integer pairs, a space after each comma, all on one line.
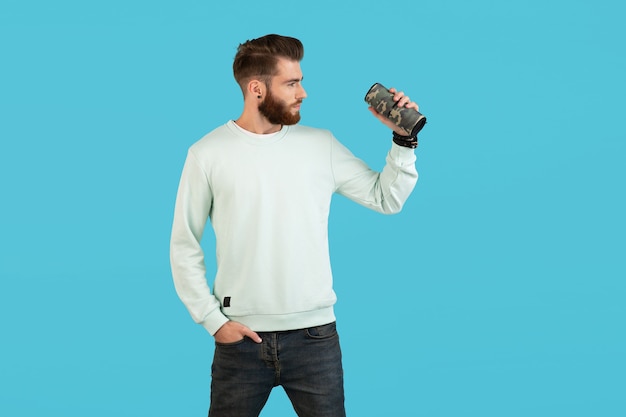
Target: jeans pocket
[[322, 332], [230, 344]]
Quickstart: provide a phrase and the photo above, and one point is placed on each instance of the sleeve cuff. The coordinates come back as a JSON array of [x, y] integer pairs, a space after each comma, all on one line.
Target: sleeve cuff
[[214, 321], [402, 155]]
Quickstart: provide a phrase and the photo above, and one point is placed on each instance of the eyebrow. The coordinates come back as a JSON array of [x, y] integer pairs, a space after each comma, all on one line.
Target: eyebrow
[[296, 80]]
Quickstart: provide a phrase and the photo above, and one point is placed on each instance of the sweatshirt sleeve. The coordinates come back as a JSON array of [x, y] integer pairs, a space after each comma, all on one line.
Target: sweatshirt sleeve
[[385, 191], [193, 205]]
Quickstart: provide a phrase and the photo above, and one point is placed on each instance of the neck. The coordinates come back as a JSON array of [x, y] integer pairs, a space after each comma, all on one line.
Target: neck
[[257, 124]]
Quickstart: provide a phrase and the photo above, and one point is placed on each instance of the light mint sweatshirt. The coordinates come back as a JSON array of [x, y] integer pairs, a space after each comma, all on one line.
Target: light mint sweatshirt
[[268, 200]]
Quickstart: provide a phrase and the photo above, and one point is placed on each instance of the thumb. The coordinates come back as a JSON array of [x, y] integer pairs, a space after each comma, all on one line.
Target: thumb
[[252, 335]]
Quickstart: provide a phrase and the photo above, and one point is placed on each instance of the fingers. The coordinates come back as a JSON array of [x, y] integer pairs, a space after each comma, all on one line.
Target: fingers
[[403, 100], [252, 335], [233, 331]]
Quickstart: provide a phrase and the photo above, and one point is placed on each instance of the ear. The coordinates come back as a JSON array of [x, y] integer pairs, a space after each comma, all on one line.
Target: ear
[[256, 88]]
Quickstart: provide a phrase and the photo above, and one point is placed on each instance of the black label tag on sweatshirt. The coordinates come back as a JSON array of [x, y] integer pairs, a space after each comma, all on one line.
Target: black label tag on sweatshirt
[[226, 302]]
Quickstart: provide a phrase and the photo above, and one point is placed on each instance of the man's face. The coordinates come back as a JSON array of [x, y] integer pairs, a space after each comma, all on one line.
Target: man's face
[[281, 104]]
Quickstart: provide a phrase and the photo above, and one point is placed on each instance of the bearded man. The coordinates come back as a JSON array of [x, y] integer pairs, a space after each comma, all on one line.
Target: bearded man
[[265, 183]]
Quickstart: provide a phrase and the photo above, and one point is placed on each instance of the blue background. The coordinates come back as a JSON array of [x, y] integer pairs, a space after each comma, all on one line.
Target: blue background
[[498, 291]]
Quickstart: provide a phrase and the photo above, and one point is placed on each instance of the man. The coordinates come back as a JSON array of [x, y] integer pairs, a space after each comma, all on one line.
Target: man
[[266, 184]]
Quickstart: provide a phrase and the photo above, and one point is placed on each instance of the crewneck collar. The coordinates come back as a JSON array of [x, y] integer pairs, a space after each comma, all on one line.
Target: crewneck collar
[[257, 138]]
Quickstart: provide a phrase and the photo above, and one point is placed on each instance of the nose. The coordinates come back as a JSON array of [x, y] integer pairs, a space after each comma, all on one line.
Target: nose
[[301, 93]]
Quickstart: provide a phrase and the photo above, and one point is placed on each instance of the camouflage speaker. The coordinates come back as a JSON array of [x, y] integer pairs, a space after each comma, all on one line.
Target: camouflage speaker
[[382, 101]]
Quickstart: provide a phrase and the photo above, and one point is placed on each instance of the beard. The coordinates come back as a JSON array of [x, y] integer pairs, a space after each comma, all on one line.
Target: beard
[[278, 112]]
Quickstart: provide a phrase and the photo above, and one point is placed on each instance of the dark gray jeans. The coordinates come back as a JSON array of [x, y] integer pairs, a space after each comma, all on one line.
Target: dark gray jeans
[[306, 363]]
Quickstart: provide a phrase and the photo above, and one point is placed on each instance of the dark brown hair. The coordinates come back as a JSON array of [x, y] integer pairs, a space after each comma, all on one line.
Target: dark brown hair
[[258, 57]]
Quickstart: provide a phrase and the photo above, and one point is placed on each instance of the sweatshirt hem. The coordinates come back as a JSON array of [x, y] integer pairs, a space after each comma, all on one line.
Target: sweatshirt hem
[[282, 322]]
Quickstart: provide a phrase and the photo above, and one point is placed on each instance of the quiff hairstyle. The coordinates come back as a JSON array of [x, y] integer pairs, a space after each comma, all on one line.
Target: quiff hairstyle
[[258, 57]]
